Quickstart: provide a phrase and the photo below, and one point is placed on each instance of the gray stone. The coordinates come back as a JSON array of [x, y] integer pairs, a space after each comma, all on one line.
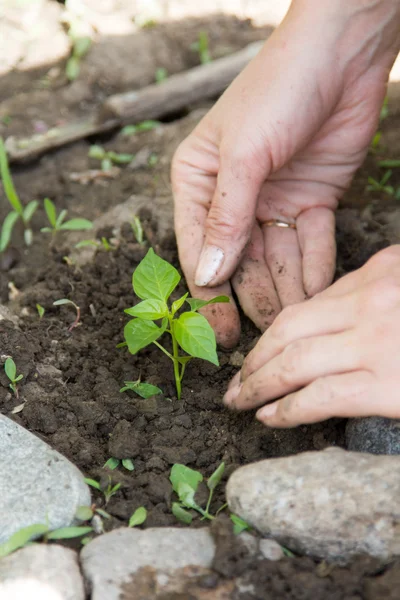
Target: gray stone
[[39, 571], [330, 504], [271, 550], [236, 359], [112, 560], [377, 435], [37, 484], [7, 315]]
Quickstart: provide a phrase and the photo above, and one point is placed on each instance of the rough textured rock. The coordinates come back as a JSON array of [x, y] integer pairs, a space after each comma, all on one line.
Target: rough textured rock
[[39, 571], [134, 557], [330, 504], [271, 550], [376, 435], [37, 484]]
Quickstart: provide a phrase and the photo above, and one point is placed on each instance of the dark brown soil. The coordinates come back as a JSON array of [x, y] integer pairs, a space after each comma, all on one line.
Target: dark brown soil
[[72, 379]]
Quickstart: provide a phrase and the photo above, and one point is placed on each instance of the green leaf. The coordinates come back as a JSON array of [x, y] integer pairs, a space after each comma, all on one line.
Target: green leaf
[[20, 538], [127, 463], [67, 533], [138, 517], [46, 230], [149, 310], [129, 130], [50, 211], [72, 68], [182, 474], [81, 46], [139, 333], [8, 185], [77, 225], [147, 125], [137, 230], [93, 483], [161, 74], [18, 378], [216, 477], [195, 336], [63, 301], [389, 163], [40, 310], [84, 513], [386, 177], [103, 513], [287, 552], [120, 159], [186, 495], [106, 164], [178, 303], [61, 218], [239, 524], [96, 151], [7, 228], [154, 278], [181, 514], [28, 237], [145, 390], [10, 369], [85, 243], [112, 463], [30, 210], [195, 303]]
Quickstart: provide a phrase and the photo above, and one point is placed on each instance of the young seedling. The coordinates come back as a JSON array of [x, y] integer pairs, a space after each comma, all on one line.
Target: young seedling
[[40, 310], [109, 491], [109, 158], [160, 75], [24, 213], [381, 185], [24, 536], [389, 163], [62, 301], [138, 517], [201, 46], [80, 47], [153, 281], [138, 231], [144, 390], [112, 463], [10, 369], [103, 243], [143, 126], [58, 223]]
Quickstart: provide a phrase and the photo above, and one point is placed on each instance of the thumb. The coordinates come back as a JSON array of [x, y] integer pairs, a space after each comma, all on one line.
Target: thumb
[[232, 213]]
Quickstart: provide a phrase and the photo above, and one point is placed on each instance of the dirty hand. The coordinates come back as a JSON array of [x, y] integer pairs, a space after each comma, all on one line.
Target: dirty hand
[[336, 355], [283, 143]]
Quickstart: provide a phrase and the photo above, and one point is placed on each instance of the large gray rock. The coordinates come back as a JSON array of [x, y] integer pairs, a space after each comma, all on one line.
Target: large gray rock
[[125, 556], [377, 435], [330, 504], [37, 484], [39, 571]]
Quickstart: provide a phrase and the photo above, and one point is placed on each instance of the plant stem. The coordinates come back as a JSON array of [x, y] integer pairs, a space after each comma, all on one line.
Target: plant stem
[[209, 500], [175, 352], [164, 350], [76, 322]]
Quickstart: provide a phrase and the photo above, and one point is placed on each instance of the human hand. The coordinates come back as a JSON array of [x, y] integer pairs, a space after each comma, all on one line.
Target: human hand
[[336, 355], [283, 143]]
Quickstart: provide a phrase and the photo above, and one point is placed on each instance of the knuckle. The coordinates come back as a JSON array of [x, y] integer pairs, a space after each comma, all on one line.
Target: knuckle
[[321, 393], [292, 357], [382, 294], [225, 224], [282, 326]]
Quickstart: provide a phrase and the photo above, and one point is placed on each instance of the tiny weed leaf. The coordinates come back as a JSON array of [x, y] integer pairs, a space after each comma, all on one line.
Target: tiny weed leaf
[[138, 517], [7, 229], [8, 185], [40, 310], [145, 390], [67, 533], [127, 463], [93, 483], [139, 333], [137, 230], [84, 513], [96, 151], [77, 225], [178, 303], [239, 524], [50, 211], [181, 514], [216, 477], [85, 243], [18, 378], [186, 495], [195, 303], [63, 301], [196, 336], [149, 310], [112, 463], [389, 163], [81, 46], [120, 159], [154, 278], [287, 552], [61, 218], [103, 513], [30, 210], [20, 538], [72, 68], [161, 75], [10, 369], [182, 474]]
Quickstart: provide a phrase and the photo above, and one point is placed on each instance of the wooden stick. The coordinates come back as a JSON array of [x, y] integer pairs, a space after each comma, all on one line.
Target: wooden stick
[[151, 102]]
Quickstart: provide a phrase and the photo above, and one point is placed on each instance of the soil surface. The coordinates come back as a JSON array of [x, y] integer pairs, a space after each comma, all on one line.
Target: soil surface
[[71, 388]]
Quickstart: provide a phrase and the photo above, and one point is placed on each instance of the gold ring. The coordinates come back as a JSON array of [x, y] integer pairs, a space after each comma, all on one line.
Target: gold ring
[[280, 223]]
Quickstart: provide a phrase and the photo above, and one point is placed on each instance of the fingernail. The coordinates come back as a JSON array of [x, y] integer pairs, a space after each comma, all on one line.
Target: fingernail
[[210, 261], [267, 411], [231, 395]]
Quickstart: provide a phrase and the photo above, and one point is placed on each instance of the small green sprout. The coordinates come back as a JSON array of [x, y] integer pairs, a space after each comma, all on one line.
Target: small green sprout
[[143, 126], [80, 47], [138, 517], [26, 534], [239, 524], [143, 389], [112, 463], [201, 46], [10, 369], [160, 75], [40, 310], [103, 243], [382, 185], [153, 281], [109, 491], [138, 231], [86, 513], [58, 223], [62, 301], [389, 163], [25, 213], [109, 158]]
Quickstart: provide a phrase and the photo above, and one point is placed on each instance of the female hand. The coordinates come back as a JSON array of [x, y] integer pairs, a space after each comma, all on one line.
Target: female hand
[[336, 355], [282, 143]]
